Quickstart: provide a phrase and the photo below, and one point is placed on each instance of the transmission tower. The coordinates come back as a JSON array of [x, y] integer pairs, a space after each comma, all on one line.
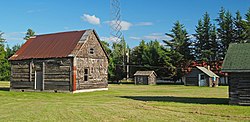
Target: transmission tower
[[115, 23]]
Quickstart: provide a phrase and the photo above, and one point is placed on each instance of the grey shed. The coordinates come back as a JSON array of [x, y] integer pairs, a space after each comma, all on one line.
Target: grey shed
[[145, 77]]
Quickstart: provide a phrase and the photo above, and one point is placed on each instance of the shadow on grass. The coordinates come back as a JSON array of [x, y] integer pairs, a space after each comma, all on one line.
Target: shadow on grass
[[192, 100], [4, 89]]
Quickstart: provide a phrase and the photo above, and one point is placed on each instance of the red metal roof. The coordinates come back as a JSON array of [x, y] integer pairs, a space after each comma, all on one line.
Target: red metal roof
[[49, 45]]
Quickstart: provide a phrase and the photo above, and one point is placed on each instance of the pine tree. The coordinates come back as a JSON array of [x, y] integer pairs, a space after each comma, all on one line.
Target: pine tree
[[240, 35], [225, 30], [214, 44], [179, 48], [246, 26], [199, 44]]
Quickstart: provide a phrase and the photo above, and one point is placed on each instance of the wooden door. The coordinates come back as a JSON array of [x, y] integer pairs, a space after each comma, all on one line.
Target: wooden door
[[39, 81]]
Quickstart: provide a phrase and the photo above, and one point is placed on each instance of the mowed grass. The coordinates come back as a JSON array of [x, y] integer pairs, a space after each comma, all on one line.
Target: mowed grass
[[123, 103]]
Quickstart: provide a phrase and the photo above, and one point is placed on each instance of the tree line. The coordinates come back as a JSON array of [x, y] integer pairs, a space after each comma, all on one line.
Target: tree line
[[6, 52], [170, 58]]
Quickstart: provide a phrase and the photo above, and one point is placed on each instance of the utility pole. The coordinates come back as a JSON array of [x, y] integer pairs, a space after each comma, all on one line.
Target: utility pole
[[127, 65]]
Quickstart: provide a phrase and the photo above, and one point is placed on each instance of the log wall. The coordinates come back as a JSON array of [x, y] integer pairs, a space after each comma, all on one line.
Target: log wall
[[239, 88], [56, 74]]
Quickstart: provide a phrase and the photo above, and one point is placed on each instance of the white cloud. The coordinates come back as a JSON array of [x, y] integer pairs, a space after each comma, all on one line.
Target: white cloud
[[91, 19], [135, 38], [156, 36], [110, 39], [124, 24], [152, 36], [144, 24], [35, 11], [14, 36]]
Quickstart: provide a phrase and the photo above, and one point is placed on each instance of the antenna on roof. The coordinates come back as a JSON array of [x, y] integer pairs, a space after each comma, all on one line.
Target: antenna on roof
[[115, 22]]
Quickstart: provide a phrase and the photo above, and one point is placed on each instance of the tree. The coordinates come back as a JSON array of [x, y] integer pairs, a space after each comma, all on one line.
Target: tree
[[4, 65], [29, 34], [214, 44], [151, 56], [138, 54], [246, 26], [111, 67], [12, 51], [179, 48], [118, 58], [225, 30], [240, 35], [105, 45], [200, 42], [2, 40], [206, 44]]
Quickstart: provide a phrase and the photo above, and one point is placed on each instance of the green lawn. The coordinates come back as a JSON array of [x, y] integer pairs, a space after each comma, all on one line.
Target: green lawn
[[123, 103]]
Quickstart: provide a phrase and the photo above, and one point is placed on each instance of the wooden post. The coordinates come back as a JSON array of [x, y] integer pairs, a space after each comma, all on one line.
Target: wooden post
[[43, 75], [35, 81]]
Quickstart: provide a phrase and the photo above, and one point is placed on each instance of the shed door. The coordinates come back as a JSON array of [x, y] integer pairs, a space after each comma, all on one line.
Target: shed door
[[202, 80], [39, 80]]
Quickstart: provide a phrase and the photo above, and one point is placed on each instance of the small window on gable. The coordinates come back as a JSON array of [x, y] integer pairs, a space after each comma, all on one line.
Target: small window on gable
[[91, 51]]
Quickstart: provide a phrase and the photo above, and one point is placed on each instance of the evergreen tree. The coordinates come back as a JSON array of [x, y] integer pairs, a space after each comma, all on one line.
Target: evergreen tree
[[2, 40], [240, 35], [151, 56], [29, 34], [179, 49], [215, 47], [206, 40], [246, 26], [138, 54], [225, 30], [200, 42]]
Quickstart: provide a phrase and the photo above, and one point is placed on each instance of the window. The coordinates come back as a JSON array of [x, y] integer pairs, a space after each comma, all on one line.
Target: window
[[91, 51], [86, 73], [202, 77]]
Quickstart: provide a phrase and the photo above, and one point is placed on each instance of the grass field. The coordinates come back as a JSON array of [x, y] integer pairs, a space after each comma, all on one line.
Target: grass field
[[123, 103]]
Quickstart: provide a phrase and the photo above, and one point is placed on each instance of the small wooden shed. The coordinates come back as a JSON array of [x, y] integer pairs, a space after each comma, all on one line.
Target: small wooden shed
[[236, 64], [145, 77], [72, 61], [201, 76]]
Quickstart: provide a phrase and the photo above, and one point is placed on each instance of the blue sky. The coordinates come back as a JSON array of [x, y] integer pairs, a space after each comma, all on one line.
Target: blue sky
[[142, 19]]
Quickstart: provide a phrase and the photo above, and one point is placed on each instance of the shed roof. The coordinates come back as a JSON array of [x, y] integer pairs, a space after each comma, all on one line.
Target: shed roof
[[56, 45], [237, 58], [208, 72], [49, 45], [144, 73]]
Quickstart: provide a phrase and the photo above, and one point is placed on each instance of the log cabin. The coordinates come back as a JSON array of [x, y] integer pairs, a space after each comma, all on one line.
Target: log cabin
[[72, 61], [236, 64]]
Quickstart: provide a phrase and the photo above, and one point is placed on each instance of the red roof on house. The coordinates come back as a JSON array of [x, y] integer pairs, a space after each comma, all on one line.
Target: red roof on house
[[49, 45]]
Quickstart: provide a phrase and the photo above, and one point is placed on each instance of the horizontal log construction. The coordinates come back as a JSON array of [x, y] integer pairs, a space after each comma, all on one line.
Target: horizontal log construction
[[239, 88], [85, 67]]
